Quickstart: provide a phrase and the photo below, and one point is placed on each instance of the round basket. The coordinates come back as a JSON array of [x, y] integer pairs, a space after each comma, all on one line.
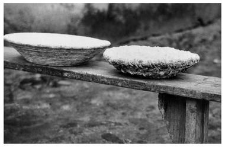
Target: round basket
[[150, 62], [56, 49]]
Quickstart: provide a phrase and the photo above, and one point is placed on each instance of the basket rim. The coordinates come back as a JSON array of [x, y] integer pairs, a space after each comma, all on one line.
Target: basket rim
[[52, 48], [104, 43]]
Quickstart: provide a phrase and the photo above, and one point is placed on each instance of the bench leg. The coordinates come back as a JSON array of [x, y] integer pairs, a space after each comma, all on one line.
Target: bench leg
[[186, 118]]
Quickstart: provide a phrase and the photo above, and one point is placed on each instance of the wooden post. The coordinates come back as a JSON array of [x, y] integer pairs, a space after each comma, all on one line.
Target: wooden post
[[186, 118]]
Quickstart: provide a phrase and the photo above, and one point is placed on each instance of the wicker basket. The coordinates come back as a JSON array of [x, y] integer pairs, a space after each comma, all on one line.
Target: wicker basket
[[57, 56], [148, 69]]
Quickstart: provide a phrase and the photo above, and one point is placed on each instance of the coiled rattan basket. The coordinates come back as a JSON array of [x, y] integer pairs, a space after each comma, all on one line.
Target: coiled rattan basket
[[150, 62], [56, 49]]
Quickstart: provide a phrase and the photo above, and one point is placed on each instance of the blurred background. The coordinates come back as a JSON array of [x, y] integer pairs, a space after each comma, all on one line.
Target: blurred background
[[44, 109]]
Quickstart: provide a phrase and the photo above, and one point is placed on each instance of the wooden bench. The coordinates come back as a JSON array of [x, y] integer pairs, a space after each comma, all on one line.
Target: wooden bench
[[183, 101]]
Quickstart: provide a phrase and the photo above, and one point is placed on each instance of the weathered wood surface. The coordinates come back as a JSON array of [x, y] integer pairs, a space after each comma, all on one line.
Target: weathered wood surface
[[173, 113], [196, 122], [186, 119], [186, 85]]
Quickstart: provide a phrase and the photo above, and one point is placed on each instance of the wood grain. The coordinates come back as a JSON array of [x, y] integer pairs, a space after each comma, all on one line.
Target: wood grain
[[186, 118], [197, 113], [172, 109], [185, 85]]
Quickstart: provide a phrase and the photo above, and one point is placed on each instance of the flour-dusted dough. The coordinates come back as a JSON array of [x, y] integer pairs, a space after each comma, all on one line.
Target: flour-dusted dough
[[148, 55]]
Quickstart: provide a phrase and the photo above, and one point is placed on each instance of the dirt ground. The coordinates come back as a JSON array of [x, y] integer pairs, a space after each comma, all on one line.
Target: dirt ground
[[44, 109]]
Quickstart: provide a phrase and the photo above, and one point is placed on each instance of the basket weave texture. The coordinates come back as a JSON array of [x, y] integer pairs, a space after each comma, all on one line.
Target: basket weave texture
[[54, 49], [56, 57], [159, 70]]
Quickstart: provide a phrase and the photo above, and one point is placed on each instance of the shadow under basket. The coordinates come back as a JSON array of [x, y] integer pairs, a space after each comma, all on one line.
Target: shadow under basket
[[56, 56]]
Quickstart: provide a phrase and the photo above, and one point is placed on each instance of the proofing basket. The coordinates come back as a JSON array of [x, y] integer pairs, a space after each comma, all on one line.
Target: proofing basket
[[56, 57]]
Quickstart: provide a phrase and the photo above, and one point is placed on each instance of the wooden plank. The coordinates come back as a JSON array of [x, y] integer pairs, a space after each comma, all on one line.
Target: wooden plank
[[196, 129], [186, 119], [172, 109], [187, 85]]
